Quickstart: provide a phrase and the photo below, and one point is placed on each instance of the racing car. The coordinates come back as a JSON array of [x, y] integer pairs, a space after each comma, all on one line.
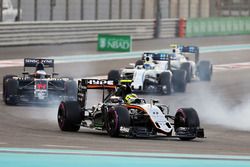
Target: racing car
[[122, 116], [37, 86], [202, 69], [153, 73]]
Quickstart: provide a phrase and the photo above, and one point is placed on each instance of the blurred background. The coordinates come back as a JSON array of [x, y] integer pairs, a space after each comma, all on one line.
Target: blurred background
[[45, 10]]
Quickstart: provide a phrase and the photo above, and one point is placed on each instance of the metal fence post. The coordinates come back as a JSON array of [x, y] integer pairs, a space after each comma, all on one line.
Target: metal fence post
[[96, 9], [189, 8], [130, 9], [18, 10], [169, 8], [157, 19], [120, 9], [199, 9], [110, 9], [143, 9], [35, 10], [67, 10], [52, 4], [178, 8], [82, 9], [1, 10]]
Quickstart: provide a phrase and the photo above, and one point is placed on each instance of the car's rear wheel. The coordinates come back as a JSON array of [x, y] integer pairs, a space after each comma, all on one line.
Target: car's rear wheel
[[69, 116], [186, 118], [165, 82], [117, 117], [188, 68], [5, 78], [10, 92], [205, 70], [179, 80], [114, 75]]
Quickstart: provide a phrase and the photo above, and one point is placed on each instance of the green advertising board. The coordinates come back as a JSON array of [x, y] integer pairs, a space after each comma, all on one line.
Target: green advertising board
[[116, 43], [217, 26]]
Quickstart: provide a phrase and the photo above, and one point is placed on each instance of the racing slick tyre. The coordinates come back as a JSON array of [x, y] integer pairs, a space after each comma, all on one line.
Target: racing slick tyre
[[205, 70], [139, 63], [117, 117], [4, 82], [186, 118], [165, 82], [69, 116], [179, 80], [10, 92], [71, 89], [114, 75], [186, 66]]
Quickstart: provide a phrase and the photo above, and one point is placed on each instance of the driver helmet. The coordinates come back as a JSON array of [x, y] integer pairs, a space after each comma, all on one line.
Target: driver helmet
[[130, 98], [40, 74], [123, 90]]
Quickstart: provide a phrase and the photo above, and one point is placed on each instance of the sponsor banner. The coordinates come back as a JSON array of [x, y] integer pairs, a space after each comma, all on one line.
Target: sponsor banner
[[117, 43], [217, 26]]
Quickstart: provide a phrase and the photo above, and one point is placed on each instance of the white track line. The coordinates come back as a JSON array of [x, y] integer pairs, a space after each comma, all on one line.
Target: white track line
[[63, 146]]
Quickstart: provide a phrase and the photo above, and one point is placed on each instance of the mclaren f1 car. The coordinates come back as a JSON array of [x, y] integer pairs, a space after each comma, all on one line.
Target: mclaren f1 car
[[37, 86]]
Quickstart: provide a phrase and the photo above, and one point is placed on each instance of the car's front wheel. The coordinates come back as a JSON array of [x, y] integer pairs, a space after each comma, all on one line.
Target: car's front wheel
[[69, 116], [117, 117]]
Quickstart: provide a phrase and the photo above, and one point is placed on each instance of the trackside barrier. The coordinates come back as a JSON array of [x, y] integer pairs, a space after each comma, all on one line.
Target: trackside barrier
[[58, 32], [217, 26], [169, 28], [182, 28]]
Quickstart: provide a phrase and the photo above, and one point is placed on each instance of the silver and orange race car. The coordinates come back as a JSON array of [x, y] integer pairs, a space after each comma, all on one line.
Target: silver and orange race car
[[121, 116], [37, 86]]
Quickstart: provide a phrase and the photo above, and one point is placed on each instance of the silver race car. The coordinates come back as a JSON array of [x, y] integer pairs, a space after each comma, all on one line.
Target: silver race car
[[37, 86]]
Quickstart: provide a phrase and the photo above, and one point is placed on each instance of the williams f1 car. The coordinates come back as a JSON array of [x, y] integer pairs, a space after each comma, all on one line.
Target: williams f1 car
[[202, 69], [152, 74], [37, 86], [120, 117]]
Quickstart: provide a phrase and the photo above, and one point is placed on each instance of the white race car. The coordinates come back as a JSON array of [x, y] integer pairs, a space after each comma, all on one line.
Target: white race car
[[152, 74], [196, 68], [165, 71]]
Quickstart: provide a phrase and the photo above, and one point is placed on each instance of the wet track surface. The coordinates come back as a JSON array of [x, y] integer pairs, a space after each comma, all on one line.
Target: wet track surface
[[223, 106]]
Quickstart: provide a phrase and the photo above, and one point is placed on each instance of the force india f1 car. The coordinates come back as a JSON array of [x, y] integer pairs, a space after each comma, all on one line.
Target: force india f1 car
[[118, 118], [38, 86], [164, 71]]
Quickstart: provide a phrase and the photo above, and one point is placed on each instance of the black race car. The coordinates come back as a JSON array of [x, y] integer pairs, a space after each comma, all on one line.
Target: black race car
[[37, 86], [122, 113]]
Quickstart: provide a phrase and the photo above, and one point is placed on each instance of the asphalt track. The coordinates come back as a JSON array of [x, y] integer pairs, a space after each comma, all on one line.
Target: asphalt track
[[223, 106]]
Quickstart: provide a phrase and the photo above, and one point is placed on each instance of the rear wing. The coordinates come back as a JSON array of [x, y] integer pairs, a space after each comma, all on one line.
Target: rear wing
[[85, 84], [158, 56], [30, 62], [188, 49]]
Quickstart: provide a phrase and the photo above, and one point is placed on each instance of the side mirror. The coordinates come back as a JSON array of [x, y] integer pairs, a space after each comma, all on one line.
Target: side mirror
[[153, 101], [54, 74], [25, 73]]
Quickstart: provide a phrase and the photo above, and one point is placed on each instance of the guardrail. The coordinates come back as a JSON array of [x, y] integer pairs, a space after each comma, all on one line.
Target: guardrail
[[169, 28], [57, 32]]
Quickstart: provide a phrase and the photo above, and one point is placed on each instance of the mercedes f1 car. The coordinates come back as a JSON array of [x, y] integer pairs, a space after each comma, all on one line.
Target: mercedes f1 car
[[37, 86], [118, 117]]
